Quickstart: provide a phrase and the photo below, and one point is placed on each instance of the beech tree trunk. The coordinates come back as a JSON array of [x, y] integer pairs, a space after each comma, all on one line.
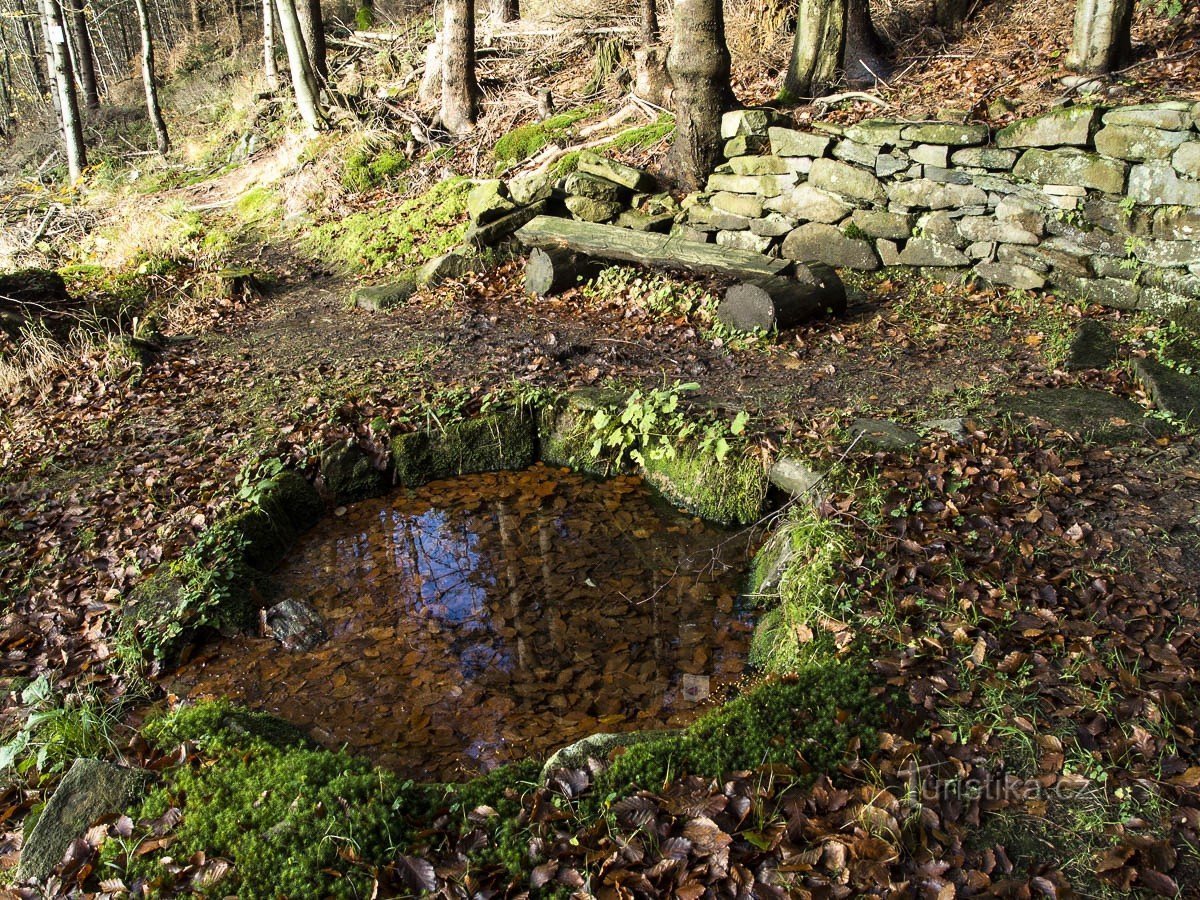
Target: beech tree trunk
[[699, 68], [834, 39], [649, 23], [68, 103], [85, 55], [506, 10], [35, 66], [1101, 41], [304, 81], [270, 70], [163, 139], [312, 29], [459, 87]]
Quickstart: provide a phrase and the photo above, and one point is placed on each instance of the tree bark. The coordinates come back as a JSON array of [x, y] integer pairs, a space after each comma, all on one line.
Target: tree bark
[[1101, 42], [85, 55], [304, 82], [429, 93], [459, 87], [780, 303], [699, 68], [552, 271], [834, 39], [506, 10], [312, 29], [195, 15], [649, 23], [270, 69], [72, 125], [35, 66], [156, 118], [949, 15]]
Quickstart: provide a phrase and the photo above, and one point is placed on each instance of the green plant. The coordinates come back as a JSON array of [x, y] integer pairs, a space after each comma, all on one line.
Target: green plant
[[370, 164], [1167, 9], [526, 140], [58, 729], [853, 232]]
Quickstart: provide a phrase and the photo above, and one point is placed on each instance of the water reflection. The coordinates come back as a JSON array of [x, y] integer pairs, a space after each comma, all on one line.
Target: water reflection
[[489, 616]]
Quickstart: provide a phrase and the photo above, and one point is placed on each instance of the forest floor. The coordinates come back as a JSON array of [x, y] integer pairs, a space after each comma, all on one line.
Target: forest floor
[[1025, 596]]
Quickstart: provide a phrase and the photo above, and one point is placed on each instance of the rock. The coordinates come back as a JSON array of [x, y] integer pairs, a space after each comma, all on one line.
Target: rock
[[883, 434], [846, 180], [91, 790], [930, 155], [1177, 223], [1092, 348], [925, 252], [925, 194], [876, 131], [985, 158], [350, 474], [296, 625], [640, 221], [489, 201], [888, 164], [809, 204], [987, 228], [940, 227], [824, 243], [598, 747], [955, 427], [1111, 292], [1172, 115], [1186, 159], [588, 210], [981, 250], [1010, 274], [687, 233], [1168, 253], [772, 225], [382, 297], [746, 205], [759, 165], [950, 133], [449, 265], [795, 476], [787, 142], [43, 287], [1070, 127], [763, 185], [618, 173], [1156, 184], [494, 232], [746, 145], [882, 224], [889, 252], [744, 240], [1136, 143], [531, 188], [946, 176], [593, 187], [1026, 214], [745, 121], [1072, 167], [1089, 414], [854, 152], [798, 165]]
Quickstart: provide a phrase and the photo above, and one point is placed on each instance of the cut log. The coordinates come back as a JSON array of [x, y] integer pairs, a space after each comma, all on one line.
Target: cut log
[[648, 249], [553, 270], [777, 303]]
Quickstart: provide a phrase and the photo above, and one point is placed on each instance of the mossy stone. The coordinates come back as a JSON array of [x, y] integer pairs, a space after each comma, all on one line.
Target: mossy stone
[[729, 491], [350, 474], [565, 434], [1091, 415], [412, 459], [490, 443]]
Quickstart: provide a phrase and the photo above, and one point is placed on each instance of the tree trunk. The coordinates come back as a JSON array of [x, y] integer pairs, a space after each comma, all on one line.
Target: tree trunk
[[699, 67], [1101, 42], [459, 87], [312, 29], [195, 15], [950, 14], [6, 91], [85, 55], [834, 38], [506, 10], [649, 23], [72, 125], [429, 93], [35, 66], [235, 13], [779, 303], [304, 82], [552, 271], [269, 68], [152, 107]]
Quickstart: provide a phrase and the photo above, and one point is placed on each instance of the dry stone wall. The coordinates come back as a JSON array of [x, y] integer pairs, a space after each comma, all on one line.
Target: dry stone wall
[[1102, 204]]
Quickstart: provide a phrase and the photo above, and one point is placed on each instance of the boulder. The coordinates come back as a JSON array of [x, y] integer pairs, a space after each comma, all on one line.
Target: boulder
[[846, 180], [1072, 167], [489, 201], [1134, 142], [1157, 184], [1168, 253], [640, 221], [941, 228], [593, 187], [588, 210], [809, 204], [531, 188], [1177, 223], [296, 625], [787, 142], [888, 164], [382, 297], [795, 476], [1070, 127], [827, 244], [492, 233], [1082, 412], [772, 225], [1173, 115], [91, 790], [627, 176]]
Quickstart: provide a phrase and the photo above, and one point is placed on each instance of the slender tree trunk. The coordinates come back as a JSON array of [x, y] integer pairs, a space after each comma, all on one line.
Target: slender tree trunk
[[72, 125], [304, 82], [195, 15], [699, 67], [235, 13], [649, 23], [35, 66], [459, 87], [506, 10], [1101, 42], [152, 107], [85, 55], [6, 92], [269, 68], [429, 92], [312, 29], [834, 39]]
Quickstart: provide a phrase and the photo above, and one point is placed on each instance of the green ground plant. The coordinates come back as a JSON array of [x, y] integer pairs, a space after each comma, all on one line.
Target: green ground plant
[[526, 140]]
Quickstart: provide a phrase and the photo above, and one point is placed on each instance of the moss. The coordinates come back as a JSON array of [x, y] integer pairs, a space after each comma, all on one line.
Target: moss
[[521, 143], [364, 16], [350, 474], [808, 721], [729, 491], [219, 724], [412, 459], [565, 434], [566, 164], [496, 441], [415, 231], [259, 204], [367, 166], [645, 136]]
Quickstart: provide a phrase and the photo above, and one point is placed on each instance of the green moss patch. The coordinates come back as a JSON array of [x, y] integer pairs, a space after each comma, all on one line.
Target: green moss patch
[[566, 436], [521, 143], [504, 439], [730, 491], [415, 231], [368, 165]]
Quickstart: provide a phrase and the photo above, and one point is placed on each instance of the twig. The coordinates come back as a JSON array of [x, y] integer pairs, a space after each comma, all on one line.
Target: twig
[[55, 209], [852, 95]]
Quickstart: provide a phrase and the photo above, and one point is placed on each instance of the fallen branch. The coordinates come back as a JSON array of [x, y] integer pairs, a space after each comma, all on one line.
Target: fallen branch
[[862, 96]]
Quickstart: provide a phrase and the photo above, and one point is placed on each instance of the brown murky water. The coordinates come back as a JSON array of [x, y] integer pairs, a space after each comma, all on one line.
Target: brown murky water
[[487, 617]]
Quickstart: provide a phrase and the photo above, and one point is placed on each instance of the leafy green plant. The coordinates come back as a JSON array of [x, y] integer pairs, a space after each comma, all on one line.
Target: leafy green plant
[[58, 729], [1167, 9]]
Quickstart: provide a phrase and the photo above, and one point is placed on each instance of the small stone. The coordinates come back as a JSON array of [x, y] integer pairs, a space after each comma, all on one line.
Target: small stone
[[1172, 115], [788, 142], [489, 201], [1156, 184], [941, 228], [931, 154], [581, 184], [925, 194], [985, 158], [763, 185], [746, 205], [888, 164], [772, 225], [640, 221], [745, 145], [878, 132], [602, 167], [531, 188], [946, 133], [847, 180], [981, 250], [382, 297], [809, 204], [1092, 348], [889, 252], [1012, 275], [1135, 143], [759, 165], [744, 240], [1022, 212], [1168, 253], [854, 152], [1072, 167], [795, 476], [687, 233], [596, 746], [883, 434], [987, 228], [1072, 126], [1064, 190], [799, 165], [1186, 159], [955, 427], [1172, 391], [946, 176], [826, 244], [296, 625], [745, 121], [588, 210], [1177, 223], [882, 224], [925, 252]]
